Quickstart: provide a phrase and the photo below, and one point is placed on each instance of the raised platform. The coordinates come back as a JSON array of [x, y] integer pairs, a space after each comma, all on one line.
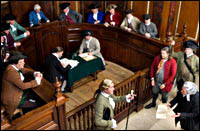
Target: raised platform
[[85, 92]]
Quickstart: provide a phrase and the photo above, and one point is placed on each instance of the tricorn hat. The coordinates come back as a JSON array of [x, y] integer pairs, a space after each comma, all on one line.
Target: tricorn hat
[[94, 6], [16, 55], [86, 33], [146, 16], [5, 26], [64, 5], [190, 44], [111, 6], [10, 17], [129, 12], [105, 84]]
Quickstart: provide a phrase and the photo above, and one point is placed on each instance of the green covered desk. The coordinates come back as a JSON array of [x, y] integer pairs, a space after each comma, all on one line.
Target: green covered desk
[[83, 69]]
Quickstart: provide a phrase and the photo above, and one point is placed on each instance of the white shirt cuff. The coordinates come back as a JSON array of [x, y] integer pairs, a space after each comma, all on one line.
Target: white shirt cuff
[[25, 35], [114, 123], [15, 44], [127, 98], [38, 80], [31, 25], [48, 21]]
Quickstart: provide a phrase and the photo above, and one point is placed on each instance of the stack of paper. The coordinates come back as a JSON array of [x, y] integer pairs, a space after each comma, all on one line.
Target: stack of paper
[[72, 63], [161, 111], [87, 57]]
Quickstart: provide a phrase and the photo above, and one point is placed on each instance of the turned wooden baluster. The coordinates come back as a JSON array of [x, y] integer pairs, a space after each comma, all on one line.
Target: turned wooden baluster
[[84, 127], [57, 84], [79, 120]]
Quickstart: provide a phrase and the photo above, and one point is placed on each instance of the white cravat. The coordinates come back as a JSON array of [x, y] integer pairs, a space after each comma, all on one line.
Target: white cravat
[[39, 17], [148, 24], [190, 54], [129, 20], [21, 75], [87, 42], [95, 16], [111, 17], [111, 101], [13, 28]]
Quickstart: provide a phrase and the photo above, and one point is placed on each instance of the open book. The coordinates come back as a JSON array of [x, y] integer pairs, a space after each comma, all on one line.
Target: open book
[[162, 111], [72, 63], [87, 57]]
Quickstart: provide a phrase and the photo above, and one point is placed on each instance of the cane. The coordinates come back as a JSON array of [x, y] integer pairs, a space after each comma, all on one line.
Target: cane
[[128, 111]]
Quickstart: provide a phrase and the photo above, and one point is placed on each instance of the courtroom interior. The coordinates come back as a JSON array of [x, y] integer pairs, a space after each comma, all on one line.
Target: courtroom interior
[[99, 65]]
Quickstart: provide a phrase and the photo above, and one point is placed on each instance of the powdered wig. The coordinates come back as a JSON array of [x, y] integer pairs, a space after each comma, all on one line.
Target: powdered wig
[[37, 6]]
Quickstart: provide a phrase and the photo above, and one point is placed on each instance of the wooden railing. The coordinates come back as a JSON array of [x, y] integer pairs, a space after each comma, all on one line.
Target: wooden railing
[[82, 118]]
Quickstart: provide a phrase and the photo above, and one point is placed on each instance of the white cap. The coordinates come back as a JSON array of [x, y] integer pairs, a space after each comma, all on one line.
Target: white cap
[[37, 6]]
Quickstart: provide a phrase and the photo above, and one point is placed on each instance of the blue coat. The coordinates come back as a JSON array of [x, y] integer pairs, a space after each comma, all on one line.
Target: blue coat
[[33, 19], [100, 17]]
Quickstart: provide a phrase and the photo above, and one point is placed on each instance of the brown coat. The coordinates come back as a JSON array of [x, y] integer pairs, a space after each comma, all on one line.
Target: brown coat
[[12, 88]]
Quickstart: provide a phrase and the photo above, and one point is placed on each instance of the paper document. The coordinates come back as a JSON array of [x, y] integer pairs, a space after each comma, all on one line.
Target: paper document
[[72, 63], [87, 57], [162, 111]]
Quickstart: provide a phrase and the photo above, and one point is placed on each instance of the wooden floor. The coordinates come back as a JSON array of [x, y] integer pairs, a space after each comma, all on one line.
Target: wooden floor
[[84, 93]]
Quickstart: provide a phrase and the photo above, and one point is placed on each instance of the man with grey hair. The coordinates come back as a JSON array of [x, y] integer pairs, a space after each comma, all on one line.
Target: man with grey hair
[[187, 110], [36, 17]]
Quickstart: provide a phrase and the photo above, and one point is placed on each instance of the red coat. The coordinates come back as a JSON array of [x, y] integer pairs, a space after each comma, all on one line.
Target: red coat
[[169, 72], [117, 18]]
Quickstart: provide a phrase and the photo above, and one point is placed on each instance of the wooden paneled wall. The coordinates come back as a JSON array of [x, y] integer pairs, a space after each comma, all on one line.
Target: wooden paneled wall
[[168, 15]]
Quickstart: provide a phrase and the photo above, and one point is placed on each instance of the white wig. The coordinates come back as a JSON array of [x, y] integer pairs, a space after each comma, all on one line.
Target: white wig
[[37, 6]]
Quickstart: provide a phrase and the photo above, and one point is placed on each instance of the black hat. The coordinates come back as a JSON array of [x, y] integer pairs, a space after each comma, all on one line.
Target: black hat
[[94, 6], [129, 12], [86, 33], [3, 33], [5, 26], [64, 5], [10, 17], [146, 16], [16, 55], [190, 44]]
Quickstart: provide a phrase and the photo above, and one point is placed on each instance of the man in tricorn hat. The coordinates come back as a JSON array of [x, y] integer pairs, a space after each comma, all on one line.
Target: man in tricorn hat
[[187, 65], [11, 19], [69, 15], [95, 16], [105, 105], [14, 89], [148, 28], [90, 44]]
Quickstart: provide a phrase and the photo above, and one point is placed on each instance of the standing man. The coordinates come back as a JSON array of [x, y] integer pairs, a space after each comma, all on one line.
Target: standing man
[[90, 45], [130, 22], [14, 90], [163, 71], [95, 16], [69, 15], [148, 28], [105, 105], [11, 19], [187, 64]]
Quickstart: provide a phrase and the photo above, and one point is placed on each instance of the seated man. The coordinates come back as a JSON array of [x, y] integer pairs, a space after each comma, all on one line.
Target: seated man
[[113, 18], [14, 89], [91, 45], [148, 28], [69, 15], [37, 16], [54, 68], [7, 40], [130, 22], [163, 71], [96, 16], [11, 19]]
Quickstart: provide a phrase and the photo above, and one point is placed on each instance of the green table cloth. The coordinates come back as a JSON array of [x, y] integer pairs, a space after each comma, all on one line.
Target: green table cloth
[[83, 69]]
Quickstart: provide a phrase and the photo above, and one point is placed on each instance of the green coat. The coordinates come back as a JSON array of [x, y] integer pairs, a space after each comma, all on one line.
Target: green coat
[[15, 34], [102, 103], [182, 70]]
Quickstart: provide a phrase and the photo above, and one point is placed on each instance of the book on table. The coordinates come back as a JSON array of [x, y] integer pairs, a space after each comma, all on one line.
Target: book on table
[[87, 57]]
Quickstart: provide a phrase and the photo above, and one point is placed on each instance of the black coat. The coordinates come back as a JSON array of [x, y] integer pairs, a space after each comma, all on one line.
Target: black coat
[[189, 118], [53, 69]]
